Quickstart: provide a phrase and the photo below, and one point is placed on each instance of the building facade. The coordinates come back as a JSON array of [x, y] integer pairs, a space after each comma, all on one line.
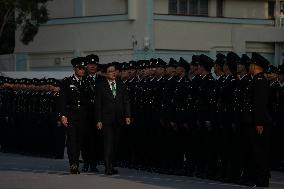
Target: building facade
[[123, 30]]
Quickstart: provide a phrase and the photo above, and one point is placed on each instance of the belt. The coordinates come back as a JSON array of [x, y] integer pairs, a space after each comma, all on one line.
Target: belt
[[75, 107]]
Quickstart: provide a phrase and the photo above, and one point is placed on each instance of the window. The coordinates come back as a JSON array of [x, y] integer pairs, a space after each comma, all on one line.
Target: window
[[172, 6], [183, 7], [193, 7], [282, 7], [271, 9], [220, 7], [189, 7]]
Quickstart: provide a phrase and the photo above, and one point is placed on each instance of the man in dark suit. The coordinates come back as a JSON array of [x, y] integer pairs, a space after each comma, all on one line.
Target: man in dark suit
[[112, 107]]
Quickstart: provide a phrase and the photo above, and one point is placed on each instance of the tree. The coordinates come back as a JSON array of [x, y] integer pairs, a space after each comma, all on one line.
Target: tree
[[26, 15]]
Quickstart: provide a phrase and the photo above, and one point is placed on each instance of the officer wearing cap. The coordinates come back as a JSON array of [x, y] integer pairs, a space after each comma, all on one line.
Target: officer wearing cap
[[221, 59], [148, 126], [242, 104], [125, 72], [72, 108], [58, 132], [231, 156], [259, 124], [6, 115], [204, 108], [271, 74], [2, 114], [138, 116], [280, 116], [181, 117], [195, 78], [90, 141], [167, 116], [127, 151], [193, 68], [157, 87], [134, 86]]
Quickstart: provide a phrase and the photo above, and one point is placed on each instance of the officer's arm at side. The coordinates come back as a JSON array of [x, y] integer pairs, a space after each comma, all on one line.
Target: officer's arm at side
[[98, 103], [62, 102]]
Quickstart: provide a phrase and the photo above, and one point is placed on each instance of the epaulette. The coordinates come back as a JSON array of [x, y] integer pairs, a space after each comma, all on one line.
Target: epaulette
[[259, 78], [66, 78]]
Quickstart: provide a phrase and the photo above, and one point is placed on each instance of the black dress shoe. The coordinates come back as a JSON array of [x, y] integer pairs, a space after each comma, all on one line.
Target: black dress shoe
[[111, 172], [74, 169], [94, 170], [262, 185], [247, 183], [115, 172], [85, 167]]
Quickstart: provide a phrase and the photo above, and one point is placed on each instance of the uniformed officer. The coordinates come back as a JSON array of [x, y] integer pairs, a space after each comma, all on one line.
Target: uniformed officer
[[2, 113], [218, 117], [204, 108], [168, 117], [91, 151], [243, 109], [72, 108], [195, 78], [193, 68], [181, 118], [157, 93], [259, 130], [271, 73], [58, 139], [231, 156], [280, 116]]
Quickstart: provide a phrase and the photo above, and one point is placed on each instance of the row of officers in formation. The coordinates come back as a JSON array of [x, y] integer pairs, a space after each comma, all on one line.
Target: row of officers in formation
[[28, 117], [220, 119]]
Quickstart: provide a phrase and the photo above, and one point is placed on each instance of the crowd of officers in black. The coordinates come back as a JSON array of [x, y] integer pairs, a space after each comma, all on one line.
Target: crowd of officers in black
[[28, 117], [194, 119]]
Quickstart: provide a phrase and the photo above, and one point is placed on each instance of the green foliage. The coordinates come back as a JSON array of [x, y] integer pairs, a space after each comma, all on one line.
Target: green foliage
[[27, 15]]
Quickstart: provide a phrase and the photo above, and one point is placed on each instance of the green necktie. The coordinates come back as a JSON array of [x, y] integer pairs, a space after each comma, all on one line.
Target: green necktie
[[113, 89]]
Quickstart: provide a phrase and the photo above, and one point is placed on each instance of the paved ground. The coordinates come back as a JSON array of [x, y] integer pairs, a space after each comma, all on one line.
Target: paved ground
[[22, 172]]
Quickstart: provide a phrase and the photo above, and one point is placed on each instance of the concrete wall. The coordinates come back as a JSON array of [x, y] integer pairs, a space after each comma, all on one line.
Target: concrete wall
[[83, 37], [56, 9], [206, 36], [105, 7], [45, 61], [194, 36], [161, 6], [123, 37], [7, 62], [66, 8], [79, 38], [112, 37], [182, 37]]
